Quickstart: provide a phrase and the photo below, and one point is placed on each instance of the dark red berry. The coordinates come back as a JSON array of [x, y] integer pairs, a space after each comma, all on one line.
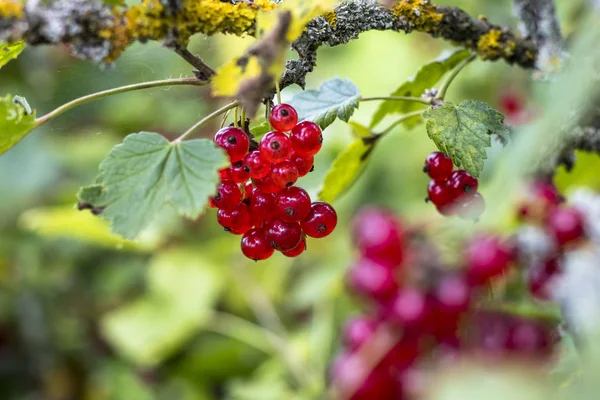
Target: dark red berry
[[303, 164], [255, 245], [408, 309], [546, 192], [510, 104], [284, 174], [438, 166], [351, 375], [275, 147], [529, 338], [296, 251], [238, 172], [378, 235], [267, 185], [283, 236], [262, 207], [358, 331], [321, 220], [234, 141], [566, 225], [439, 193], [224, 175], [452, 294], [257, 165], [486, 257], [462, 184], [371, 279], [541, 277], [236, 220], [228, 196], [307, 139], [471, 208], [283, 117], [247, 190], [292, 204]]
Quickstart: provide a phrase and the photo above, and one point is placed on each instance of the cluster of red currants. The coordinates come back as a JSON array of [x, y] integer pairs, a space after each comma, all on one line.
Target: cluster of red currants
[[257, 197], [452, 192], [430, 307]]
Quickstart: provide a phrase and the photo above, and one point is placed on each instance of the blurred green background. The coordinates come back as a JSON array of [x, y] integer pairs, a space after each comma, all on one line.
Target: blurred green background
[[85, 315]]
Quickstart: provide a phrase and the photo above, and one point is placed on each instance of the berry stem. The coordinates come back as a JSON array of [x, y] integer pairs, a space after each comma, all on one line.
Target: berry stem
[[278, 90], [236, 116], [206, 120], [243, 117], [225, 116], [399, 98], [444, 88], [123, 89], [377, 136]]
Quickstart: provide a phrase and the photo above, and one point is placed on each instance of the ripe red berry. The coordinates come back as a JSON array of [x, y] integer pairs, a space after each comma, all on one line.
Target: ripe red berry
[[349, 372], [528, 338], [357, 331], [234, 141], [224, 175], [471, 208], [303, 164], [379, 237], [486, 257], [439, 193], [283, 236], [566, 225], [292, 204], [371, 279], [247, 190], [321, 220], [255, 245], [228, 196], [452, 294], [307, 139], [267, 185], [283, 117], [408, 309], [262, 206], [438, 166], [462, 184], [284, 174], [238, 172], [296, 251], [275, 147], [236, 220], [541, 277], [257, 165]]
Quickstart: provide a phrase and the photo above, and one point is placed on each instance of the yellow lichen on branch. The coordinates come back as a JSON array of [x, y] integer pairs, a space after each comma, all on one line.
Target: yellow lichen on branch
[[422, 14], [491, 46], [11, 9]]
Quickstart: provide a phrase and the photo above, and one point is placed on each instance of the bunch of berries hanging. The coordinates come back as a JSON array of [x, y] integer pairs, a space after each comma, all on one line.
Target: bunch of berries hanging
[[257, 197], [452, 192]]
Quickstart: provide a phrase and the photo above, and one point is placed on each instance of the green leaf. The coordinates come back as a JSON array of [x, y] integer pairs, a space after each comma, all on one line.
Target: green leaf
[[15, 122], [463, 132], [10, 51], [183, 288], [261, 128], [336, 98], [147, 173], [359, 131], [345, 170], [426, 78]]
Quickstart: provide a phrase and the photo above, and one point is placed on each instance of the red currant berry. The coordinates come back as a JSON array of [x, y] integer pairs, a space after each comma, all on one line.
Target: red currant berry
[[283, 236], [234, 141], [267, 185], [408, 309], [257, 165], [546, 192], [566, 224], [236, 220], [371, 279], [283, 117], [224, 175], [439, 193], [275, 147], [452, 294], [462, 184], [228, 196], [284, 174], [472, 208], [379, 237], [307, 139], [358, 331], [438, 166], [262, 207], [238, 172], [489, 332], [486, 258], [446, 210], [350, 372], [321, 220], [303, 164], [295, 252], [292, 204], [528, 338], [248, 188], [255, 245], [541, 277]]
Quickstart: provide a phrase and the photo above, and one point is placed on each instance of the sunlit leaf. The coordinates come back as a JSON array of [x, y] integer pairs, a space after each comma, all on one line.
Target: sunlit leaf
[[147, 173], [15, 122], [10, 51], [463, 132], [230, 76]]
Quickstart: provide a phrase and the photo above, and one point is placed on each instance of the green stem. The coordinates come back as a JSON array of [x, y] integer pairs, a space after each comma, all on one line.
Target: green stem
[[398, 98], [396, 123], [236, 117], [453, 75], [123, 89], [206, 120], [278, 89]]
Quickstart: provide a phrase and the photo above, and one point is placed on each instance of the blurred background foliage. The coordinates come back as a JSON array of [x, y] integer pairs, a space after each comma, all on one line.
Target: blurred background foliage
[[87, 315]]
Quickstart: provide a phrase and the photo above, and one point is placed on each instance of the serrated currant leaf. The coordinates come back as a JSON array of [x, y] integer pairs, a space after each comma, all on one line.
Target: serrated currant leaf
[[346, 169], [335, 98], [10, 51], [426, 78], [15, 122], [463, 132], [147, 173]]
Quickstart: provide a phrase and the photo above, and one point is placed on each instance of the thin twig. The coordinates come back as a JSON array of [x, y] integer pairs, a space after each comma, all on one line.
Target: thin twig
[[206, 120], [204, 71], [399, 98]]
